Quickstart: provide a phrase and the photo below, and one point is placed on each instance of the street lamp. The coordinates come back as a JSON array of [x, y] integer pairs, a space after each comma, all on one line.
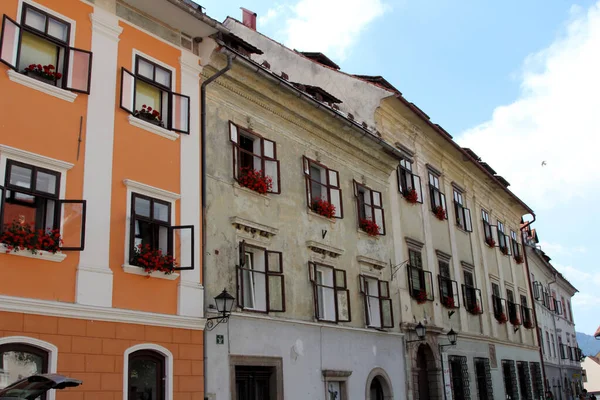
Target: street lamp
[[420, 330], [224, 302]]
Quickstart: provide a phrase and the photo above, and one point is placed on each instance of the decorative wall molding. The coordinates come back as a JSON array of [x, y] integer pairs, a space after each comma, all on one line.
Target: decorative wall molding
[[377, 264], [147, 126], [414, 243], [325, 249], [151, 190], [38, 160], [253, 227]]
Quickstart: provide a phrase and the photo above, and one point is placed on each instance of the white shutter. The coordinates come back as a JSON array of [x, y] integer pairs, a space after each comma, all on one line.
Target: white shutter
[[80, 70], [468, 225], [379, 220], [127, 91], [269, 148], [9, 47], [180, 113], [272, 170], [233, 132], [336, 199], [418, 188]]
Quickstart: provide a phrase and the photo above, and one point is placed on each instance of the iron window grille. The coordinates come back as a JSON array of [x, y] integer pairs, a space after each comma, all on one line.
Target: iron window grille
[[524, 380], [369, 205], [259, 279], [459, 375], [483, 377], [536, 375], [463, 214], [30, 195], [378, 304], [39, 28], [151, 79], [436, 197], [322, 183], [408, 181], [254, 152], [330, 293], [509, 374]]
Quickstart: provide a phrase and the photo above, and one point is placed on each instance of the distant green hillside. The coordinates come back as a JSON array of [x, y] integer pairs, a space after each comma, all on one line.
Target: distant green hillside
[[588, 344]]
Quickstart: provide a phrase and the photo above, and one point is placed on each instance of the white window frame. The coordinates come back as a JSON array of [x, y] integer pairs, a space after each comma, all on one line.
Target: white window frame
[[168, 367], [260, 287]]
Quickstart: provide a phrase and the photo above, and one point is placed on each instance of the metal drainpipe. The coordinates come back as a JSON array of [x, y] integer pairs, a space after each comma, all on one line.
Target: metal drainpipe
[[533, 305], [203, 156]]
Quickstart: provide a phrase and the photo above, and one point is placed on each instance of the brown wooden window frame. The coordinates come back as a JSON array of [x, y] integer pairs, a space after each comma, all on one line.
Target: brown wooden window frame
[[503, 238], [328, 187], [471, 294], [498, 303], [415, 270], [364, 290], [436, 197], [514, 309], [516, 246], [463, 214], [361, 205], [448, 287], [161, 377], [270, 274], [407, 180], [339, 288], [487, 227], [61, 45], [153, 222], [234, 135], [45, 196], [167, 92]]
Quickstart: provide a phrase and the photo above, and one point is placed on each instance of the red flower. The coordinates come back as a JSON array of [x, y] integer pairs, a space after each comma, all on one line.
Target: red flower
[[58, 75], [440, 213], [490, 242], [255, 180], [504, 250], [515, 321], [475, 309], [369, 226], [323, 207], [528, 324], [421, 297], [519, 259], [21, 236], [501, 318], [448, 302], [411, 196], [152, 259], [149, 108]]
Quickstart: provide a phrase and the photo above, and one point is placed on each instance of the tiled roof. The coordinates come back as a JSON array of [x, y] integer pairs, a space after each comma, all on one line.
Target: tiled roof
[[320, 58]]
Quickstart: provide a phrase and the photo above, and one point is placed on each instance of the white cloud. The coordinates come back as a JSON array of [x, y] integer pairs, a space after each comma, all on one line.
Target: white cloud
[[328, 26], [272, 13], [554, 249], [573, 274], [553, 120]]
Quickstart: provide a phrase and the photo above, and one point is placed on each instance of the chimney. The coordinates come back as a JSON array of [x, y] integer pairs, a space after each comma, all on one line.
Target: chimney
[[249, 18]]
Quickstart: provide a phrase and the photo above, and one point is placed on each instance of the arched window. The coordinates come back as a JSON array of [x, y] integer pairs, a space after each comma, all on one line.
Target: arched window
[[146, 376], [18, 361]]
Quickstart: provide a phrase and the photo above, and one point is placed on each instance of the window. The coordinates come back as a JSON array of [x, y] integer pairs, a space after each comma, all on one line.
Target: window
[[448, 288], [537, 290], [459, 376], [146, 376], [148, 95], [151, 230], [471, 295], [30, 199], [498, 303], [570, 311], [437, 198], [463, 214], [419, 280], [524, 380], [514, 311], [370, 208], [549, 345], [566, 311], [483, 378], [252, 152], [39, 47], [322, 183], [331, 295], [407, 181], [536, 377], [553, 345], [336, 387], [260, 280], [378, 304], [509, 375], [542, 341], [516, 247], [558, 305], [18, 361], [502, 239], [487, 228], [526, 312]]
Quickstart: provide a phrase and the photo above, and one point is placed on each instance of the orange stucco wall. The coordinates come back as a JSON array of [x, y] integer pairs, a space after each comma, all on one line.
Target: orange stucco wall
[[147, 158], [93, 352], [42, 124]]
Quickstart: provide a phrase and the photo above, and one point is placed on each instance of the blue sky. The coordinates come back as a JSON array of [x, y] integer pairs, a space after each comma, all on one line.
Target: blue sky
[[517, 81]]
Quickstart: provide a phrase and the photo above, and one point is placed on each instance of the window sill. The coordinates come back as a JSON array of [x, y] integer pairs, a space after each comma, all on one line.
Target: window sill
[[42, 255], [311, 214], [363, 233], [41, 86], [157, 130], [131, 269], [237, 186]]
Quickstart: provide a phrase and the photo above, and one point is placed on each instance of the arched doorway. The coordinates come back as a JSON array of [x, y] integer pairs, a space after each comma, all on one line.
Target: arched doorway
[[378, 386], [423, 374], [376, 390]]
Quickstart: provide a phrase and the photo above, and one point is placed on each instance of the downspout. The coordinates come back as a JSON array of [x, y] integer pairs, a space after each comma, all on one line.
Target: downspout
[[203, 194], [533, 305], [559, 358]]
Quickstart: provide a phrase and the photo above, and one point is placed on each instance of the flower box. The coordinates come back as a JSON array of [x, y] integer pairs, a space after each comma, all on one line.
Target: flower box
[[528, 325], [439, 213], [519, 259], [475, 310], [448, 302], [150, 115], [421, 297], [255, 180], [43, 73], [369, 226], [22, 236], [323, 207], [411, 196], [490, 242], [151, 260], [515, 321], [501, 318], [504, 250]]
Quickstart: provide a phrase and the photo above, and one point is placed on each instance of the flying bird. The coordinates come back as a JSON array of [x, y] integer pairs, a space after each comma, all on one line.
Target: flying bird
[[543, 163]]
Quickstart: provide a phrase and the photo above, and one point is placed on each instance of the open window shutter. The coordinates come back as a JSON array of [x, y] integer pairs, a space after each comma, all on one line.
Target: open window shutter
[[342, 296], [2, 191], [242, 253], [79, 70], [306, 169], [182, 239], [399, 172], [385, 305], [378, 212], [335, 193], [271, 164], [507, 244], [443, 203], [239, 281], [72, 224], [460, 215], [179, 120], [276, 282], [127, 91], [468, 224], [10, 42], [455, 294], [233, 133], [418, 187], [362, 284], [494, 232]]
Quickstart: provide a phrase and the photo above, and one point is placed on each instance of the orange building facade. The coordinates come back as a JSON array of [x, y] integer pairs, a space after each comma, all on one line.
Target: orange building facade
[[100, 186]]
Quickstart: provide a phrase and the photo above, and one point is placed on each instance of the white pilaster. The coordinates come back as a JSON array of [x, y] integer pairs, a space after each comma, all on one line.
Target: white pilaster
[[94, 276], [190, 301]]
